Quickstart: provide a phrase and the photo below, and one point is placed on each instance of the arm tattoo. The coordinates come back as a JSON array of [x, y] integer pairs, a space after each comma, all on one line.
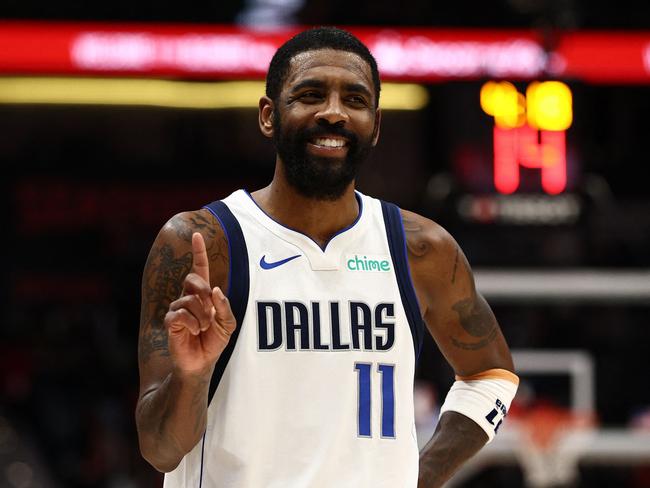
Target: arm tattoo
[[217, 249], [456, 439], [415, 241], [196, 222], [218, 252], [472, 316], [197, 407], [161, 285], [453, 274], [163, 280], [477, 320], [474, 346]]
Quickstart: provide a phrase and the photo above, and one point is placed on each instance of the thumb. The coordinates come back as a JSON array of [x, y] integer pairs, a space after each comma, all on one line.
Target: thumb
[[222, 311]]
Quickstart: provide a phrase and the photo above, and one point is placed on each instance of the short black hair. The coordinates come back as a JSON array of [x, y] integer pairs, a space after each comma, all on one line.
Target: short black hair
[[311, 40]]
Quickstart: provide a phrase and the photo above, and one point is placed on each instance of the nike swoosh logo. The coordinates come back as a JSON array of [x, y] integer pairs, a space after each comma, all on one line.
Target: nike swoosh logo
[[266, 265]]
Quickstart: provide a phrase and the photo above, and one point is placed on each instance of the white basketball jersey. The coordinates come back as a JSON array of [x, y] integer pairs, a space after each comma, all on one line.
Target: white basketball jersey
[[315, 389]]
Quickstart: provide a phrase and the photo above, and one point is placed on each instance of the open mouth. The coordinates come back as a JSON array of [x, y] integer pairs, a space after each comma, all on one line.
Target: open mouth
[[328, 145], [328, 142]]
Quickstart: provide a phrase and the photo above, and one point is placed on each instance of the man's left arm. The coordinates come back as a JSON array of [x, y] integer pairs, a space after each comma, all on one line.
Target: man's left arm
[[467, 333]]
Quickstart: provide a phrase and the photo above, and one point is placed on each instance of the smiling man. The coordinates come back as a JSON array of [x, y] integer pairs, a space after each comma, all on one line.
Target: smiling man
[[280, 329]]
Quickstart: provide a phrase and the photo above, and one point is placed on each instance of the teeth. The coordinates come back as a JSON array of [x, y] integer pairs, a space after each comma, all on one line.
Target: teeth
[[330, 142]]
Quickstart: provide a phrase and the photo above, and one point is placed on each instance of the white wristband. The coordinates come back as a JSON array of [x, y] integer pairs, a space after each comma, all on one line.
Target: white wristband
[[485, 398]]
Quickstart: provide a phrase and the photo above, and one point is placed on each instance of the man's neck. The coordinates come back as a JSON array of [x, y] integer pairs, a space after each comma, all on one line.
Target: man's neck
[[318, 219]]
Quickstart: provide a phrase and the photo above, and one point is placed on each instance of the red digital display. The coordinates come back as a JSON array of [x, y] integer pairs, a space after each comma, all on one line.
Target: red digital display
[[217, 51], [529, 148]]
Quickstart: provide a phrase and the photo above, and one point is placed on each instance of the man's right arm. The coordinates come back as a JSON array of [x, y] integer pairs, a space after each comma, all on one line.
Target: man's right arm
[[185, 324]]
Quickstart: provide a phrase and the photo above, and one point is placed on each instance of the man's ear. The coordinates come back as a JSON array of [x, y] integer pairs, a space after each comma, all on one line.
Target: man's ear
[[375, 133], [266, 114]]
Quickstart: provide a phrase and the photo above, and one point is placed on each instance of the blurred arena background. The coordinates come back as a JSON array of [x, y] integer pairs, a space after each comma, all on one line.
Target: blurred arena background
[[116, 115]]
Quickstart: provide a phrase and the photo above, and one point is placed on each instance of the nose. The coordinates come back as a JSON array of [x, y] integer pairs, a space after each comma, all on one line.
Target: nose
[[333, 111]]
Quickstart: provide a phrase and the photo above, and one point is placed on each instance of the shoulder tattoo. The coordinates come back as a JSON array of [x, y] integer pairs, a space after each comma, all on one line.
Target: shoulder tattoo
[[187, 224], [415, 239], [216, 245]]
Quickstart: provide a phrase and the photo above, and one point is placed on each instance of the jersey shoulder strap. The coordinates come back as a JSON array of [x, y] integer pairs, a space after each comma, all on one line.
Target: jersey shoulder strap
[[237, 291], [397, 245]]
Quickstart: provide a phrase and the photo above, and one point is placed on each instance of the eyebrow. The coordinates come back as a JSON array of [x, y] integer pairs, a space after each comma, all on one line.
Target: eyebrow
[[308, 83], [316, 83]]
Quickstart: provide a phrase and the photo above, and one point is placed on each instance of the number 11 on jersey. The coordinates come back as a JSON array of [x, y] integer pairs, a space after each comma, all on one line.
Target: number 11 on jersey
[[387, 372]]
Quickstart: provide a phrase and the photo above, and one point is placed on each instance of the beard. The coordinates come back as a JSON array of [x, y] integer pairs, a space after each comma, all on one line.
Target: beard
[[319, 178]]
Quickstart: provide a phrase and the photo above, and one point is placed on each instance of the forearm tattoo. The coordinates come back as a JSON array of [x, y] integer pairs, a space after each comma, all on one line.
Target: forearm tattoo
[[457, 438]]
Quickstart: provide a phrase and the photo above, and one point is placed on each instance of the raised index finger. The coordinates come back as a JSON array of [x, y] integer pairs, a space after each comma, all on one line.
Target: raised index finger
[[200, 263]]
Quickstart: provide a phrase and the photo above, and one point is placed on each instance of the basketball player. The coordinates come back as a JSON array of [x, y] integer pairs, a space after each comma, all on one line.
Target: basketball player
[[280, 329]]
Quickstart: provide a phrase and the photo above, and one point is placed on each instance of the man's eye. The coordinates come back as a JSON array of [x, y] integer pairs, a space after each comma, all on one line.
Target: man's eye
[[310, 94], [357, 99]]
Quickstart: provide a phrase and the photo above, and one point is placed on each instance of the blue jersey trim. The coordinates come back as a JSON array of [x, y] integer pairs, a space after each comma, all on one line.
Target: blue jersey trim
[[324, 246], [238, 286], [202, 452], [398, 252]]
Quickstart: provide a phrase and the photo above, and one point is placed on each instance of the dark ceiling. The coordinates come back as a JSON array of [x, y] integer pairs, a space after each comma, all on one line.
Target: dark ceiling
[[568, 14]]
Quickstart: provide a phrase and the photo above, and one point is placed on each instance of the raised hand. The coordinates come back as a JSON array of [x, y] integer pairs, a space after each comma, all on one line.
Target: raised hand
[[200, 322]]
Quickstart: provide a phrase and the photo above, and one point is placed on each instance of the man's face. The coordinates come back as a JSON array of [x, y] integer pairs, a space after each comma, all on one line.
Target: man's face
[[325, 122]]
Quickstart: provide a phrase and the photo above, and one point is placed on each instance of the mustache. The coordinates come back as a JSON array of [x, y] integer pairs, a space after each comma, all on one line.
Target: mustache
[[327, 129]]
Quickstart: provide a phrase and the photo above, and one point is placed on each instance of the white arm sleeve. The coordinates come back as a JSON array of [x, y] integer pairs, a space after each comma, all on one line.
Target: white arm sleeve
[[486, 401]]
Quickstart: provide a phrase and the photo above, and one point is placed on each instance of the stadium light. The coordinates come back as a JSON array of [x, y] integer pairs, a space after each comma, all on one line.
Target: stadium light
[[549, 105], [169, 93]]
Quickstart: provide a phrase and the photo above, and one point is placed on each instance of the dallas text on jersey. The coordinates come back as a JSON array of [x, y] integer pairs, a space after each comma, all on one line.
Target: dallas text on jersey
[[291, 324]]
